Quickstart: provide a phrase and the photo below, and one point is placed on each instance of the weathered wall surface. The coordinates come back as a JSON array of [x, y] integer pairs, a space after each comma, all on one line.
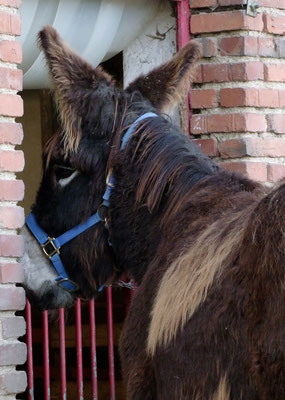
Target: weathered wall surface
[[239, 92], [12, 297], [154, 46]]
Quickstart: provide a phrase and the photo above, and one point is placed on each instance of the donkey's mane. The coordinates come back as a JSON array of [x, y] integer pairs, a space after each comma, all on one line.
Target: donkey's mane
[[168, 165]]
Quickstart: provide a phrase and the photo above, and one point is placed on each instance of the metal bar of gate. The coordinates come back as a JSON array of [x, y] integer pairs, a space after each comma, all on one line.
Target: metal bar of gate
[[30, 368], [92, 324], [46, 356], [111, 344], [63, 391], [79, 350]]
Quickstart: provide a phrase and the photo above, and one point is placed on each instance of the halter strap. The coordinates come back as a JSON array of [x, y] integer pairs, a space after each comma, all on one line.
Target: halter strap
[[51, 246]]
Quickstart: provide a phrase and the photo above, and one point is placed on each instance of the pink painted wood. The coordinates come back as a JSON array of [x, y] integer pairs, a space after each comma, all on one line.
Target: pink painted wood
[[183, 37], [94, 380], [183, 23], [30, 367], [63, 391], [79, 350], [46, 356], [111, 344]]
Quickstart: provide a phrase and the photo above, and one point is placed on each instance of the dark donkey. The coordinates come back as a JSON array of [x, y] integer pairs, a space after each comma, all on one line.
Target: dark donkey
[[206, 246]]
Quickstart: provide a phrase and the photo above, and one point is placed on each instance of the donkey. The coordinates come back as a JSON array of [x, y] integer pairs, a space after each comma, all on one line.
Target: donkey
[[205, 246]]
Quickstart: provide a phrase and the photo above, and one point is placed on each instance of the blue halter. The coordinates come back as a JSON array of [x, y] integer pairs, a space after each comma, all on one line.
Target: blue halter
[[51, 246]]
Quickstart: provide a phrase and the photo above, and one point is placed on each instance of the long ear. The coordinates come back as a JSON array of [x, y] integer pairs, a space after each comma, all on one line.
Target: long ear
[[164, 85], [71, 77]]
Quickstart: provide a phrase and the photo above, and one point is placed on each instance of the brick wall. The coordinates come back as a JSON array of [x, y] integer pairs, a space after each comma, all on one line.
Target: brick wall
[[12, 297], [238, 97]]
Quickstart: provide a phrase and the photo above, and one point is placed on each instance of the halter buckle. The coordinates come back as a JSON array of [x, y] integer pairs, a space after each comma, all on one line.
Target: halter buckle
[[54, 250], [109, 180], [60, 280]]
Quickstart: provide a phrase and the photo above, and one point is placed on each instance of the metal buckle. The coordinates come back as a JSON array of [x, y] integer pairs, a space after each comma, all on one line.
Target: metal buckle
[[55, 249], [108, 182], [67, 280]]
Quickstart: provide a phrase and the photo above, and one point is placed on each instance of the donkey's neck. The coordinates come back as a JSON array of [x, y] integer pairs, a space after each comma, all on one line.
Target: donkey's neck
[[153, 175]]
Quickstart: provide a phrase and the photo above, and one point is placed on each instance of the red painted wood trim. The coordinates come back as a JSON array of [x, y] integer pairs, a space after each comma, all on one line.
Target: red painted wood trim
[[183, 36]]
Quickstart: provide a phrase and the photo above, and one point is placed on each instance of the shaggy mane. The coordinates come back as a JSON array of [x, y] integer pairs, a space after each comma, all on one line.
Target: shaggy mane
[[163, 157]]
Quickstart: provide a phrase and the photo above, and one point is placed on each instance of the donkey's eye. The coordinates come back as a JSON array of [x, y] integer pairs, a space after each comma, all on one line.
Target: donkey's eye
[[63, 174]]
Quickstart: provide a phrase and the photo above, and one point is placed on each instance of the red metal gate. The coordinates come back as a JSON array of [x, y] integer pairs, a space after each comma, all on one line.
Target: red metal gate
[[62, 352]]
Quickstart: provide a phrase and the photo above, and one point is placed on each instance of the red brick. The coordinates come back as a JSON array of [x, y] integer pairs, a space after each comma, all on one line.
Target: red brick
[[254, 147], [208, 146], [11, 190], [255, 122], [215, 72], [225, 21], [237, 97], [265, 147], [274, 72], [280, 46], [12, 217], [11, 3], [251, 97], [246, 71], [276, 123], [274, 24], [233, 46], [267, 47], [11, 105], [13, 353], [269, 98], [11, 246], [203, 98], [197, 76], [10, 51], [11, 133], [212, 73], [254, 170], [272, 3], [203, 3], [238, 46], [11, 160], [13, 382], [209, 47], [231, 2], [275, 172], [12, 298], [249, 46], [13, 327], [10, 23], [11, 273], [211, 123], [281, 94], [233, 148], [11, 79]]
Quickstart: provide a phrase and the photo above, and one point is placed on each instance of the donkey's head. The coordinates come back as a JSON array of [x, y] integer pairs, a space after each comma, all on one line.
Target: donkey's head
[[94, 114]]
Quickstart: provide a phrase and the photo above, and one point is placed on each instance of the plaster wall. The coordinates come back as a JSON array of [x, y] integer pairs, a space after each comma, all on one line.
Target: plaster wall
[[154, 46]]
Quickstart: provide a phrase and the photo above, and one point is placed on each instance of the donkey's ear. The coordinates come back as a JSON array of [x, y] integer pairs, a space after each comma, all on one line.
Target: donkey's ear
[[71, 76], [164, 85]]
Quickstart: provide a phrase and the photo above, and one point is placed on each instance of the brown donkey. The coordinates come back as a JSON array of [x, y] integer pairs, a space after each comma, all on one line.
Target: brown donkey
[[206, 247]]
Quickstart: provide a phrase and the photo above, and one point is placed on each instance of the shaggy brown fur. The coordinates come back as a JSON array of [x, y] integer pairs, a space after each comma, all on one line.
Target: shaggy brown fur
[[171, 79], [69, 76], [205, 246], [185, 285]]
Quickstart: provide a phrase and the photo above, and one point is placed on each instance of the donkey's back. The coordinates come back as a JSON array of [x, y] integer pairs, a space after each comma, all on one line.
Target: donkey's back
[[209, 312]]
